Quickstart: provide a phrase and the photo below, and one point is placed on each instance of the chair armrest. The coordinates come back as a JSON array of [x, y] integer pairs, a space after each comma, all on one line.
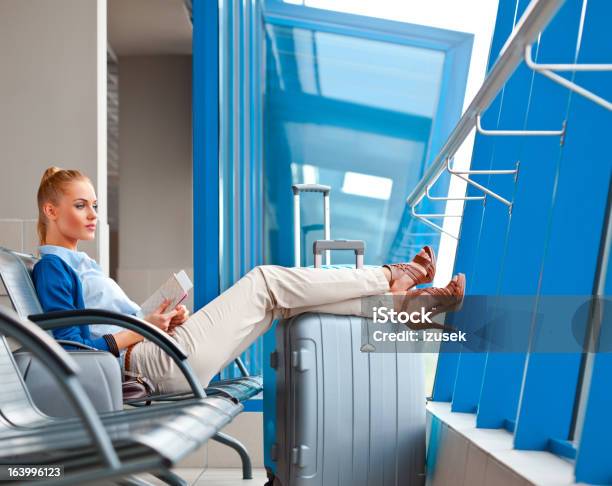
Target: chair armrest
[[55, 319], [63, 367], [37, 342]]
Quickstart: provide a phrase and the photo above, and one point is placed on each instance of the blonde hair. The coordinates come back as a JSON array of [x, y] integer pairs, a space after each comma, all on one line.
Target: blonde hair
[[52, 186]]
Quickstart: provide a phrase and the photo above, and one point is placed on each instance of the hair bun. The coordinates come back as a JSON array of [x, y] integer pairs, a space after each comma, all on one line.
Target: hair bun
[[50, 172]]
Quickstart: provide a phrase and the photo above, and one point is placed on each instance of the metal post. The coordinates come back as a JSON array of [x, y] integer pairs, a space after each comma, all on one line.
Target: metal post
[[296, 229], [327, 225]]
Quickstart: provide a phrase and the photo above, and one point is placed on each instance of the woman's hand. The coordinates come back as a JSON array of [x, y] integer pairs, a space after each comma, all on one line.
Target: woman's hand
[[160, 319], [180, 318]]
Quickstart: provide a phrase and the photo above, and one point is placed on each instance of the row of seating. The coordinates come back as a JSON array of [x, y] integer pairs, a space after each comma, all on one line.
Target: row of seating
[[101, 437]]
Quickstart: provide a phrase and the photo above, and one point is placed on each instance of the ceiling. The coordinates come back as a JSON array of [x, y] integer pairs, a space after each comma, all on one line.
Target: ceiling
[[148, 27]]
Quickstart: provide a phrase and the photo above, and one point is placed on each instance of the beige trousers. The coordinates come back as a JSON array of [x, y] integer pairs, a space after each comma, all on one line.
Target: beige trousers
[[220, 331]]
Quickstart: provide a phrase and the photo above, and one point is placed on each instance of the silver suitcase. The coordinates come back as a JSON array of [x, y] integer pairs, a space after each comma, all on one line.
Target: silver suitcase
[[343, 416]]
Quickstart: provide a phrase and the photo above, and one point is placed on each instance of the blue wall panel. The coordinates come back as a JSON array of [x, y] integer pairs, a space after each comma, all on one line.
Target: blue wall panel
[[549, 245], [579, 197], [205, 152], [527, 105], [593, 463], [484, 229]]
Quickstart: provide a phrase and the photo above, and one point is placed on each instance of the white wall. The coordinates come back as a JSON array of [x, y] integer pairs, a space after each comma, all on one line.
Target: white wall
[[53, 107], [155, 172]]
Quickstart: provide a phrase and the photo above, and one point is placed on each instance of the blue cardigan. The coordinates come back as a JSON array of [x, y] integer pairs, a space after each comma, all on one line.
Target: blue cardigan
[[59, 288]]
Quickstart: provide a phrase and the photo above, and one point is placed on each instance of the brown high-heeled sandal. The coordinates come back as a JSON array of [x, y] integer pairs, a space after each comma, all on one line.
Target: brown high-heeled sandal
[[436, 300], [426, 259]]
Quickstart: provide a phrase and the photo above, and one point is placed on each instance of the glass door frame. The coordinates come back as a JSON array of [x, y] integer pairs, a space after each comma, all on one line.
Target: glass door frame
[[457, 47]]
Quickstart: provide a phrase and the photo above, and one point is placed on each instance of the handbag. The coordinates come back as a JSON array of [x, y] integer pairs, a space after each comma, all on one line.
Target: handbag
[[136, 386]]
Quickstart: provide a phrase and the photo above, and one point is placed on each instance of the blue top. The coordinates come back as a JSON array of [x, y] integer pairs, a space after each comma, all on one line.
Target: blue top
[[68, 279]]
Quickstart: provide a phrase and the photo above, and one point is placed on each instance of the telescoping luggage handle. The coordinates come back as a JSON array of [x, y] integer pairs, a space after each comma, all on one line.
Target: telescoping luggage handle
[[297, 188], [319, 246]]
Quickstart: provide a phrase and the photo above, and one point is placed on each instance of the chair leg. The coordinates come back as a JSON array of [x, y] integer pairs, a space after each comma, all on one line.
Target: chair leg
[[132, 481], [247, 471], [243, 371]]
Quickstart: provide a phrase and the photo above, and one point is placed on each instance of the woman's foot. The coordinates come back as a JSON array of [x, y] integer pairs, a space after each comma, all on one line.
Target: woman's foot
[[433, 301], [420, 270]]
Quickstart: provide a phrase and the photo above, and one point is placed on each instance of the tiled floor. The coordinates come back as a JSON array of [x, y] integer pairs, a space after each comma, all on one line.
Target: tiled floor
[[213, 477]]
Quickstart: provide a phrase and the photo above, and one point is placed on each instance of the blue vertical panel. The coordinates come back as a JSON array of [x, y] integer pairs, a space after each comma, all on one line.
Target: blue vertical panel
[[240, 158], [468, 382], [450, 366], [593, 463], [500, 391], [446, 371], [449, 353], [493, 152], [448, 359], [242, 181], [256, 207], [433, 446], [230, 134], [470, 366], [205, 152], [486, 245], [269, 397], [573, 232], [529, 104], [484, 279]]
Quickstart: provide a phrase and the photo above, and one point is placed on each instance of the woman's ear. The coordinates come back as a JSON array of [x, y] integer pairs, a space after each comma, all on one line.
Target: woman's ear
[[50, 211]]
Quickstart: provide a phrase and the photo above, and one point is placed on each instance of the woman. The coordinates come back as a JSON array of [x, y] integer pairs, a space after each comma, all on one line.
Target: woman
[[219, 332]]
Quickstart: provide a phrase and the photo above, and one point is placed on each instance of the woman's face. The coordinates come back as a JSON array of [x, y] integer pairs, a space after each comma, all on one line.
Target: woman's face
[[76, 214]]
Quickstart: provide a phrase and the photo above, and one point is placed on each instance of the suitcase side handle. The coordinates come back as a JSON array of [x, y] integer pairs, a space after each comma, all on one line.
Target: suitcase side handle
[[319, 246]]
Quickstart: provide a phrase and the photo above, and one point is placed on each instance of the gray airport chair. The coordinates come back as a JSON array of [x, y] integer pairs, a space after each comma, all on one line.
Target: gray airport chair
[[99, 366], [110, 446]]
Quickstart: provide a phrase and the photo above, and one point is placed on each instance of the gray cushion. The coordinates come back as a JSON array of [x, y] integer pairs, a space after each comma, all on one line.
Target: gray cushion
[[99, 373]]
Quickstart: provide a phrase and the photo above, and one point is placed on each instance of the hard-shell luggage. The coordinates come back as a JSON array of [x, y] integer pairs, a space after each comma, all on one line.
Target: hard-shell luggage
[[343, 416]]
